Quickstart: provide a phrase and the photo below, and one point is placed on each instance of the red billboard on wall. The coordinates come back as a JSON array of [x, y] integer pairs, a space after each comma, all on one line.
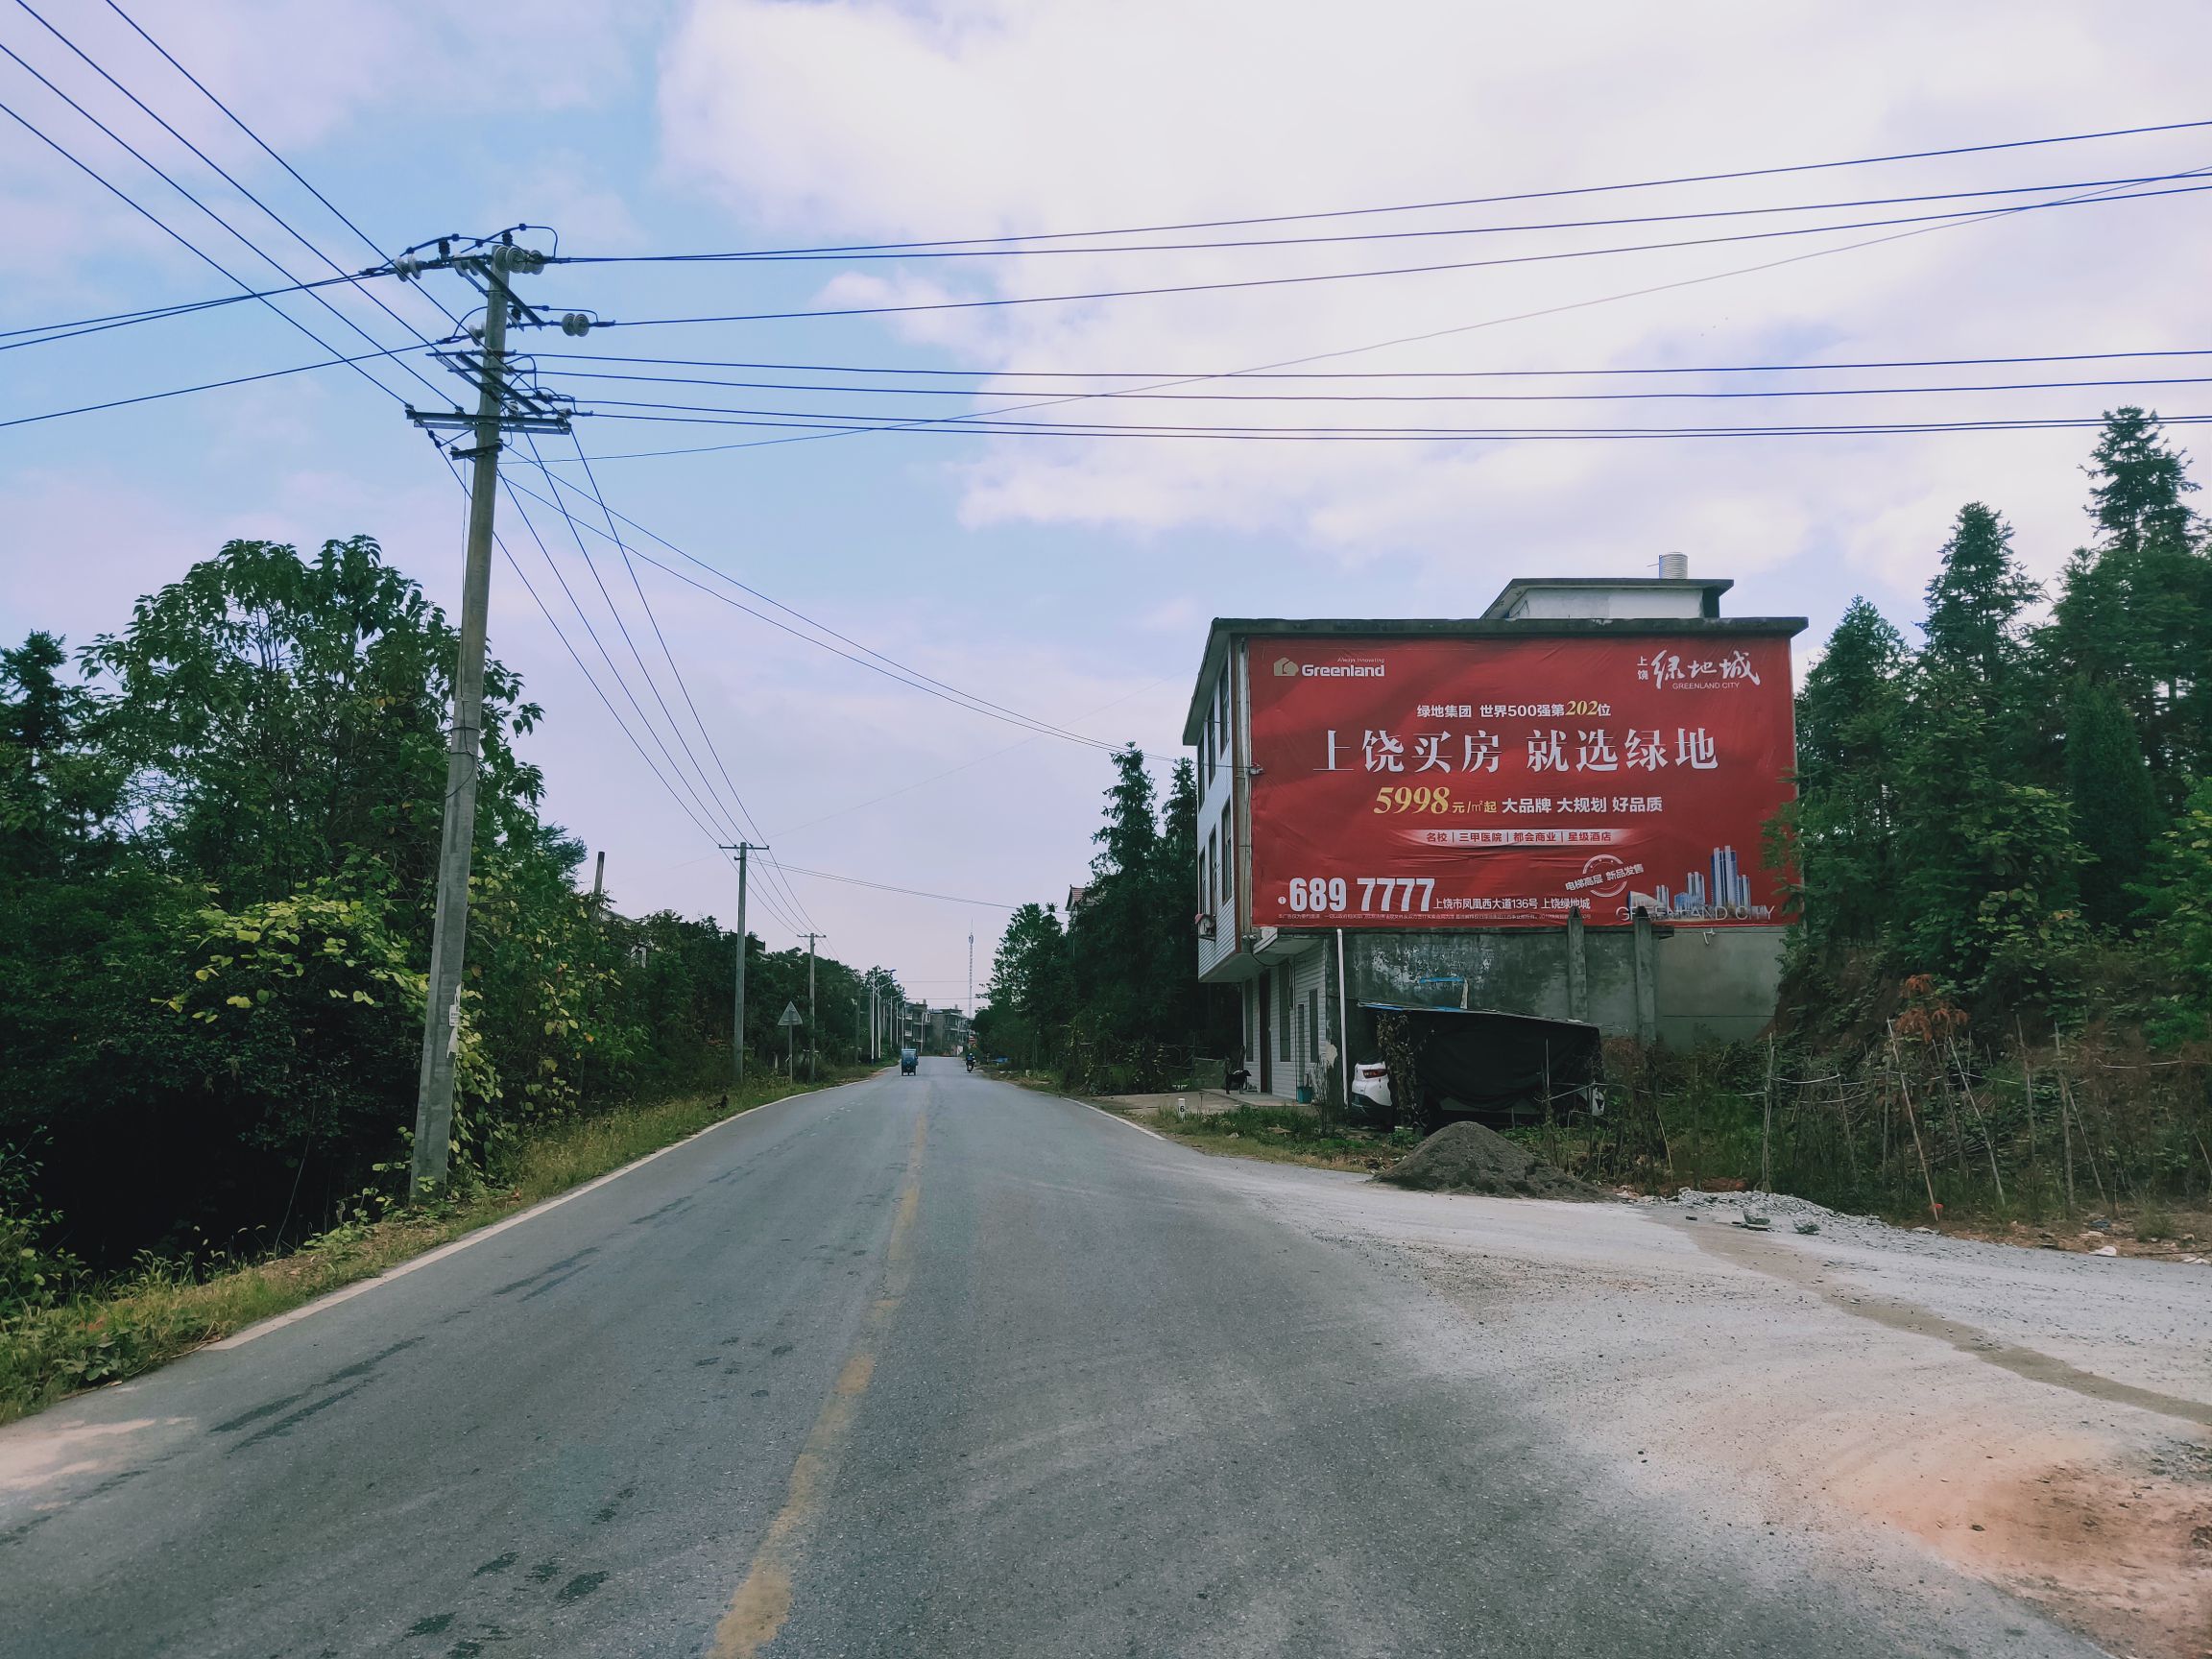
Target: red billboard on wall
[[1502, 781]]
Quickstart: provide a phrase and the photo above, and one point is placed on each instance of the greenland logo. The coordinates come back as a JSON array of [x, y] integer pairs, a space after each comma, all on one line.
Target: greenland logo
[[1286, 669]]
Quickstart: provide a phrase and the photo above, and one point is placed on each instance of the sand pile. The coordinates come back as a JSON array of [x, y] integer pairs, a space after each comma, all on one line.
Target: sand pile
[[1468, 1158]]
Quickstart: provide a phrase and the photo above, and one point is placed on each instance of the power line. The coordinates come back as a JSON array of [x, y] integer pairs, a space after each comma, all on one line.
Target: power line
[[681, 684], [713, 835], [965, 765], [206, 386], [955, 251], [1143, 396], [15, 339], [1376, 434], [1195, 374], [1001, 302], [158, 172], [720, 810], [584, 668], [225, 176], [1043, 727], [621, 681], [247, 291], [1425, 337], [236, 121], [1495, 200], [894, 671], [911, 891]]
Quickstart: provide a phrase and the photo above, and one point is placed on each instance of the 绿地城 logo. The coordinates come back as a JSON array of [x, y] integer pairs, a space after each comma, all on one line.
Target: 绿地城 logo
[[1286, 669]]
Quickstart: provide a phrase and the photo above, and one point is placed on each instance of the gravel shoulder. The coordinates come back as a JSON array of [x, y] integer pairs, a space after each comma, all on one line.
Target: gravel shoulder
[[2037, 1419]]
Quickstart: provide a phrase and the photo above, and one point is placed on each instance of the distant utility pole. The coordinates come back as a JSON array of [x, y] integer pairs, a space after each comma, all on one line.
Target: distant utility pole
[[970, 978], [501, 406], [813, 1056], [737, 1028]]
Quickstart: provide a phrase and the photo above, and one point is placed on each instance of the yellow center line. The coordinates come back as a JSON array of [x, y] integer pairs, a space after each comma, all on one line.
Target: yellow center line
[[757, 1612]]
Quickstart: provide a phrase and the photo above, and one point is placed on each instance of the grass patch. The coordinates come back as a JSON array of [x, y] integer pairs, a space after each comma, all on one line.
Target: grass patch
[[162, 1310], [1279, 1135]]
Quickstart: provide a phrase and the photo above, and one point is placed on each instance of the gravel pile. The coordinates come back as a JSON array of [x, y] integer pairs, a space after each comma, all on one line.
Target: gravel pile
[[1785, 1213], [1468, 1158]]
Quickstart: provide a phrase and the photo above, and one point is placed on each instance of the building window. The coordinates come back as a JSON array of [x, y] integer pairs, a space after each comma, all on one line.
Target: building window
[[1228, 861], [1213, 854]]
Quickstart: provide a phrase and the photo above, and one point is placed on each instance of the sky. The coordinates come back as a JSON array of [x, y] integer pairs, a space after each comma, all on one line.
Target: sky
[[1066, 579]]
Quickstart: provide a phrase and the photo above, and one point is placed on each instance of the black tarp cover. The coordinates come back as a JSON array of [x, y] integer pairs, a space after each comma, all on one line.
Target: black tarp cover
[[1491, 1062]]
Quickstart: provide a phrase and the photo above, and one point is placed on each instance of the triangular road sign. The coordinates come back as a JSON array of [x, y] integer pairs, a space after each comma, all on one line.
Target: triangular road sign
[[790, 1015]]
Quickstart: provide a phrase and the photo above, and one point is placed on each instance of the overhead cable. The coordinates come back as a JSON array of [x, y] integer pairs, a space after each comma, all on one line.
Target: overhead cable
[[246, 290], [1145, 395], [911, 891], [208, 385], [681, 684], [1000, 302], [1425, 336], [887, 667], [366, 240], [47, 333], [228, 178], [1395, 434], [956, 250], [1517, 195], [1197, 374]]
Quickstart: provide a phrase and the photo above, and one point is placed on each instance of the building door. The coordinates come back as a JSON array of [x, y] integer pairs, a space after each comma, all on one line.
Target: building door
[[1264, 988]]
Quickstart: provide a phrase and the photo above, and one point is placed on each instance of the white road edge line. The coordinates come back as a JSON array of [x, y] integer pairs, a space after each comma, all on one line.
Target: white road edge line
[[347, 1292], [1116, 1117]]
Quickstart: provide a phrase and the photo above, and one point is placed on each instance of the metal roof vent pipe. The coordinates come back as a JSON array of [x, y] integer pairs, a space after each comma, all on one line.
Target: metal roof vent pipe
[[1674, 567]]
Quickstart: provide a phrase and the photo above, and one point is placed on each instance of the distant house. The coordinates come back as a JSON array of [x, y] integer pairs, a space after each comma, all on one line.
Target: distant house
[[1077, 898], [1550, 810]]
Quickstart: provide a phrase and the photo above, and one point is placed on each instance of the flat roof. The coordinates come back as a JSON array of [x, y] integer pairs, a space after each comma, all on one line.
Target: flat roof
[[1710, 587], [1228, 628]]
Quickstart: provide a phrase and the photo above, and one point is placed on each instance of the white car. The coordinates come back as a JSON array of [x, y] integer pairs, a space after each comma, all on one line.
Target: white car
[[1372, 1084]]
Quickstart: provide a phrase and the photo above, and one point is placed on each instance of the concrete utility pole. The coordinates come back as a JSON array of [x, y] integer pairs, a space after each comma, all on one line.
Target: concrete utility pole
[[500, 406], [813, 1054], [737, 1026]]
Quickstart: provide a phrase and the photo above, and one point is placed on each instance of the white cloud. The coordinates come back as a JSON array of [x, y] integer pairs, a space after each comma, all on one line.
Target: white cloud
[[970, 118]]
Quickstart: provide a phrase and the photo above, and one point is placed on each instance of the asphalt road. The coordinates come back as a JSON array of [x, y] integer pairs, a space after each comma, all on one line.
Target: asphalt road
[[918, 1366]]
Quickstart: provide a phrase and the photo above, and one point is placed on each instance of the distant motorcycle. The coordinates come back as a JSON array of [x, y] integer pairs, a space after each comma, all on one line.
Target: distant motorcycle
[[971, 1062]]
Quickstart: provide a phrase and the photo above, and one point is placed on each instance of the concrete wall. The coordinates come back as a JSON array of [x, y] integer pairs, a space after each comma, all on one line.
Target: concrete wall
[[1517, 973], [1716, 984], [1709, 984]]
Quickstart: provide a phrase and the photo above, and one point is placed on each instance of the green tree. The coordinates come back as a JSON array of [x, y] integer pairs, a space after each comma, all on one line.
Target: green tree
[[2137, 482], [2178, 902], [1976, 599], [2135, 612], [1114, 938], [280, 714], [2115, 813], [1030, 996], [58, 791], [1850, 729]]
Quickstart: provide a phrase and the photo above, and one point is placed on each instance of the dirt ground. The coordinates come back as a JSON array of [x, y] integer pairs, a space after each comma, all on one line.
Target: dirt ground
[[2040, 1419]]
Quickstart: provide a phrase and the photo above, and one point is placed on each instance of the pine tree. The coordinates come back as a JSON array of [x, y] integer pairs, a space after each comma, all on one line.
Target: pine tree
[[2115, 813], [1976, 599], [2137, 483], [2135, 611], [1850, 728]]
